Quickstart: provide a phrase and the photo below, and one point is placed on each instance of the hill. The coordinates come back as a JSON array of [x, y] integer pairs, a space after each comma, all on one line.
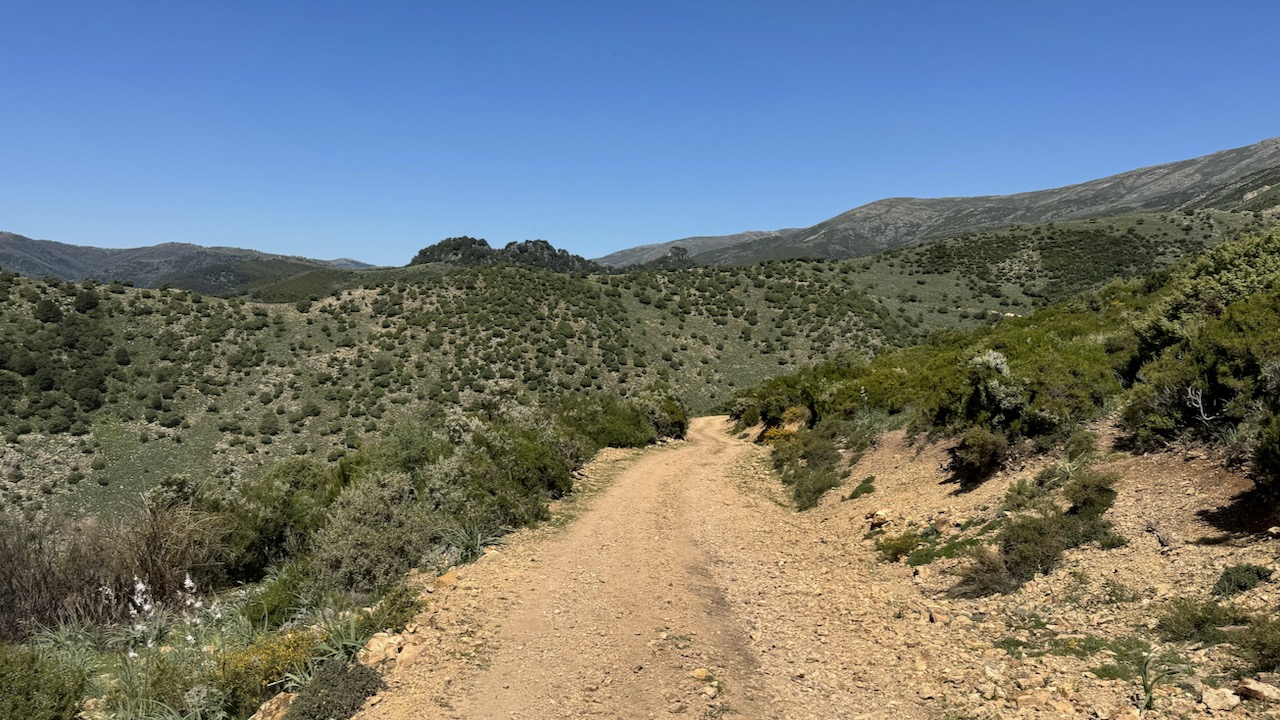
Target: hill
[[257, 478], [1238, 179], [211, 270], [693, 246], [470, 252]]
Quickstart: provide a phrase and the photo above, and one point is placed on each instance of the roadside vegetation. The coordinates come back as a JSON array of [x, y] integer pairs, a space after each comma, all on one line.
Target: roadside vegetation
[[210, 599]]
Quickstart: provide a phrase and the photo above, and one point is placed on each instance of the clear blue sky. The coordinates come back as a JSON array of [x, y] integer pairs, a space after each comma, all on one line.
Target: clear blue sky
[[370, 129]]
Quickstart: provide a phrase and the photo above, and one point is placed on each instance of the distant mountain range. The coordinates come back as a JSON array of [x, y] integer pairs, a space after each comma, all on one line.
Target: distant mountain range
[[212, 270], [1245, 179], [1242, 179]]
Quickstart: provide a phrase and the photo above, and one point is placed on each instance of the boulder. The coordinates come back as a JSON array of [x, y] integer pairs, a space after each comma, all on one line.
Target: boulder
[[381, 648], [1258, 691], [1220, 699]]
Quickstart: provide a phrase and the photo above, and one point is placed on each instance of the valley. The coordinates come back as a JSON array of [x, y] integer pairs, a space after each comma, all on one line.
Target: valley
[[1017, 467]]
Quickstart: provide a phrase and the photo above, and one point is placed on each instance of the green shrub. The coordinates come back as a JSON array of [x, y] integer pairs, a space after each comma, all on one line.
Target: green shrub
[[1021, 495], [153, 679], [866, 487], [808, 487], [1266, 457], [1240, 578], [279, 596], [375, 535], [396, 609], [810, 463], [1188, 620], [36, 688], [985, 575], [1032, 544], [337, 691], [1260, 646], [979, 454], [275, 517], [894, 547]]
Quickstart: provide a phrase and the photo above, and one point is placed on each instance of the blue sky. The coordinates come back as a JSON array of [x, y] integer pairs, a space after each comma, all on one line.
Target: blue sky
[[372, 129]]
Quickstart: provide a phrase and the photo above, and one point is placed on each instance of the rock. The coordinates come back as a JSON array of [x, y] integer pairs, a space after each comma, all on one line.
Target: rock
[[927, 692], [878, 519], [937, 616], [710, 692], [1219, 699], [700, 674], [275, 708], [408, 656], [381, 648], [1258, 691], [676, 708], [1062, 708]]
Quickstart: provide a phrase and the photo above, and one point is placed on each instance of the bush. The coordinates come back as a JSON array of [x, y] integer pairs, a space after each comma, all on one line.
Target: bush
[[247, 676], [809, 462], [36, 688], [54, 572], [808, 487], [986, 575], [1260, 646], [166, 544], [279, 596], [275, 517], [1266, 458], [394, 611], [1240, 578], [375, 535], [336, 692], [1032, 545], [1188, 620], [866, 487], [979, 454], [894, 547]]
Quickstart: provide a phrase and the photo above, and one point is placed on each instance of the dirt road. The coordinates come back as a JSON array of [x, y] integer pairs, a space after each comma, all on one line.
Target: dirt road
[[682, 587], [678, 582]]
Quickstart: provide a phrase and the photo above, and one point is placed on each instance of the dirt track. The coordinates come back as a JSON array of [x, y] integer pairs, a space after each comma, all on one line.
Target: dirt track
[[681, 564], [678, 583]]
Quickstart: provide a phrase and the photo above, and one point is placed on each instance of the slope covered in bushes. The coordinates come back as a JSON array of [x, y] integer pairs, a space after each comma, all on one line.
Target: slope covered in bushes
[[211, 597], [1189, 353]]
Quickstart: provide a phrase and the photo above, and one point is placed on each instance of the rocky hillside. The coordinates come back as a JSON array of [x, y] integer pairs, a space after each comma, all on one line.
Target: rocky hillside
[[212, 270], [1239, 179]]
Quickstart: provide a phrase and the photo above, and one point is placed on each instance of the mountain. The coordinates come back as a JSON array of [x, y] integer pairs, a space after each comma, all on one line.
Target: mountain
[[212, 270], [694, 245], [1246, 178]]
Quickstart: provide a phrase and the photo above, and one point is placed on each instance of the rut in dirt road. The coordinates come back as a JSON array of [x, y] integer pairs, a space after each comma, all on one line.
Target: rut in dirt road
[[683, 588]]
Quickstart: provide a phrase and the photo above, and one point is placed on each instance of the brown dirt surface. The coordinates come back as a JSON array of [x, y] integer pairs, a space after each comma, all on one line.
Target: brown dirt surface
[[678, 581]]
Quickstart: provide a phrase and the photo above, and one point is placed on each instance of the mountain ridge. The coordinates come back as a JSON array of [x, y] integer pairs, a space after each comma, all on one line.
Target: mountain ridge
[[209, 269], [1220, 180]]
